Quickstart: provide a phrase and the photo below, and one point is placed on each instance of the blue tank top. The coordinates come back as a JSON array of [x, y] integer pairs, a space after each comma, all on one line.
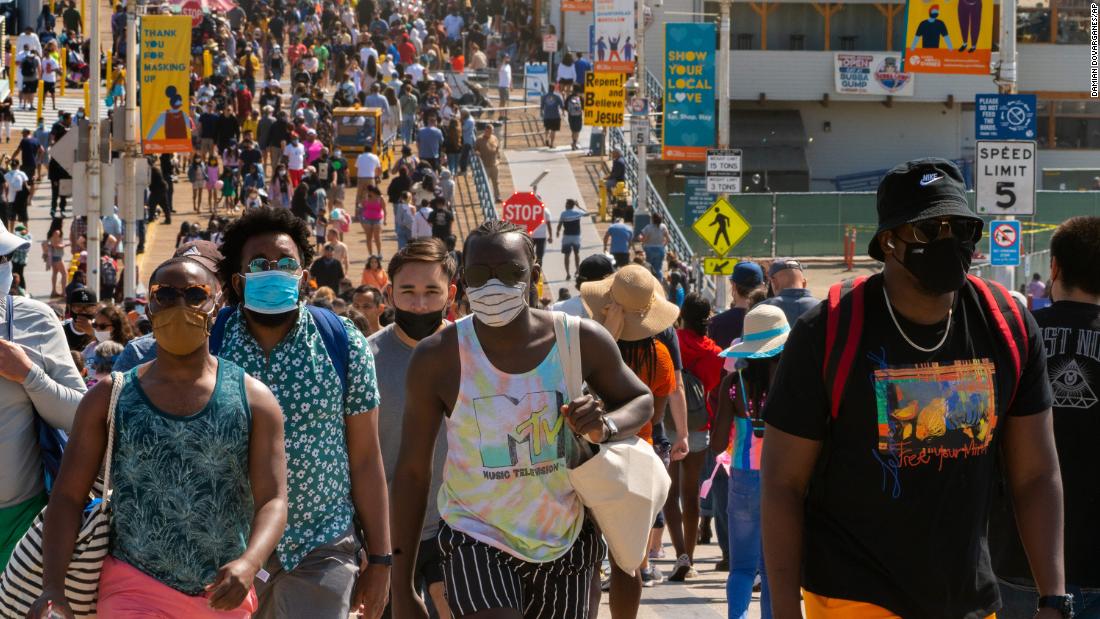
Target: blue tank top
[[182, 500]]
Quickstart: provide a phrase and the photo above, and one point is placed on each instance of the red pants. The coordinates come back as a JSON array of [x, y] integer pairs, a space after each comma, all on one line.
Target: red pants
[[295, 177]]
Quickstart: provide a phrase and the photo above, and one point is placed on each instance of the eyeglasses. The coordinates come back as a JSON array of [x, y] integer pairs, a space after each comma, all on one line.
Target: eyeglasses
[[285, 264], [510, 274], [195, 295], [928, 230]]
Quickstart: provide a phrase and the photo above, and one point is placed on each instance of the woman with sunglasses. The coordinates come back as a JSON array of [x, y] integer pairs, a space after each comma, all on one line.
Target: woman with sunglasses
[[108, 325], [198, 471]]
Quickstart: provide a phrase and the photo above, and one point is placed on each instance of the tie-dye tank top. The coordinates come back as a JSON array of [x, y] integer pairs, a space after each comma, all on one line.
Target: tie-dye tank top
[[505, 481]]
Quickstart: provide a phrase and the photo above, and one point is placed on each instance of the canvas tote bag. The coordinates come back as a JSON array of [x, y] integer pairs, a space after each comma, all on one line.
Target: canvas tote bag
[[623, 483]]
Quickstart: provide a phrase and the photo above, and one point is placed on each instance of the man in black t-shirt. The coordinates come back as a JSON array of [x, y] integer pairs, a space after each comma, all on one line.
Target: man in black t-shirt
[[327, 270], [441, 219], [876, 501], [82, 306], [1071, 340]]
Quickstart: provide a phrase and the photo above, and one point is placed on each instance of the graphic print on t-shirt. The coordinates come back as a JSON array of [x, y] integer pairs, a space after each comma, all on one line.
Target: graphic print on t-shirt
[[538, 424], [1070, 385], [928, 414]]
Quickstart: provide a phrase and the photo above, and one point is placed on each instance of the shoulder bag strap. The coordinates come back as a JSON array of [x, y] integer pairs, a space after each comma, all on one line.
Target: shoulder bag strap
[[844, 309], [9, 301], [116, 389], [217, 332], [335, 338]]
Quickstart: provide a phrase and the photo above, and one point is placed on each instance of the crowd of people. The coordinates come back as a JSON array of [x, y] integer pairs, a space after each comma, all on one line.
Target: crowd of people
[[288, 439]]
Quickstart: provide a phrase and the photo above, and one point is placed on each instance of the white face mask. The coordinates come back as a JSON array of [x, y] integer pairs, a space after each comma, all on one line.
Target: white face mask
[[101, 336], [497, 304], [5, 277]]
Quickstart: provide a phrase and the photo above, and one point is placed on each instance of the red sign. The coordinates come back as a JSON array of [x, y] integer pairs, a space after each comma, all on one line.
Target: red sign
[[524, 209], [192, 8]]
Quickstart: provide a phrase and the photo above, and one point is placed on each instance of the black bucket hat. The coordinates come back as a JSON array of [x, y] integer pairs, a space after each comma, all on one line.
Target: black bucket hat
[[916, 190]]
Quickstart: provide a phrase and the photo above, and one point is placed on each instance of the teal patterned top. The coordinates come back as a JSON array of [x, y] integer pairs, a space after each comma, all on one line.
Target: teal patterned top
[[182, 502], [315, 410]]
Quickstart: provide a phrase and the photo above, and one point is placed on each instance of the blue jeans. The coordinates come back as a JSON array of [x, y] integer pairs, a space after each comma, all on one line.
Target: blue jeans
[[402, 237], [408, 125], [655, 256], [1019, 601], [452, 162], [746, 556]]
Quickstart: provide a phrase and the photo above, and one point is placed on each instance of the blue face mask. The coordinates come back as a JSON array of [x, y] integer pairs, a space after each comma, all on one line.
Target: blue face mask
[[271, 292]]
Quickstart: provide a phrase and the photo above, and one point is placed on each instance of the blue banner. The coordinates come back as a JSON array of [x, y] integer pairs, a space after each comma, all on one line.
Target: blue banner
[[689, 121], [1005, 117]]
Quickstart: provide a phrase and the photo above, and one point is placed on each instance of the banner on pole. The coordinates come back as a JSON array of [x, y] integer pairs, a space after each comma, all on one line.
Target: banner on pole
[[581, 6], [165, 84], [958, 39], [615, 44], [604, 99], [688, 127]]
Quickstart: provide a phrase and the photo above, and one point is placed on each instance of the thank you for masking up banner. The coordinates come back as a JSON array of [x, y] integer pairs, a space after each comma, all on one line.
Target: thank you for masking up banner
[[689, 92], [165, 73]]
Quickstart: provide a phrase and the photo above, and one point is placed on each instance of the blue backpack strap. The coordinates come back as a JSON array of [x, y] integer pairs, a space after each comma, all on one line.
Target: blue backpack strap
[[11, 328], [217, 332], [336, 340]]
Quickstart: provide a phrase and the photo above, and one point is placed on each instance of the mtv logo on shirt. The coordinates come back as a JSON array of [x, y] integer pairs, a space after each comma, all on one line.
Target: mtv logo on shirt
[[538, 425], [931, 413]]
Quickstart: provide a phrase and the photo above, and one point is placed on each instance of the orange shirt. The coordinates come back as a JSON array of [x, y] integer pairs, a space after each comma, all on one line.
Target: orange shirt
[[377, 278], [661, 381]]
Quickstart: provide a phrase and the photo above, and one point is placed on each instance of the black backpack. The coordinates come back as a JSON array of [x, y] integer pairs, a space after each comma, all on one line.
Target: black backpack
[[697, 415], [29, 67]]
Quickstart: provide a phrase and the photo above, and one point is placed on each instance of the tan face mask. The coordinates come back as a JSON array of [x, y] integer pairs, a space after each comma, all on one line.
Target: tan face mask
[[180, 330]]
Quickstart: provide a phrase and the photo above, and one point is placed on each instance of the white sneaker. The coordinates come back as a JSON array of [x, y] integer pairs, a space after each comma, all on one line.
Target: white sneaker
[[683, 567], [652, 576]]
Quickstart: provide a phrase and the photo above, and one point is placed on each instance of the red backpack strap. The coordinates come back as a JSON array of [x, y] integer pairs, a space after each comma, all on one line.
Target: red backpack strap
[[1008, 323], [844, 323]]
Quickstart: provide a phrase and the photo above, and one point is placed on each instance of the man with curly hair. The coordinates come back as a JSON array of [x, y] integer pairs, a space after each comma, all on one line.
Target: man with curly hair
[[334, 462]]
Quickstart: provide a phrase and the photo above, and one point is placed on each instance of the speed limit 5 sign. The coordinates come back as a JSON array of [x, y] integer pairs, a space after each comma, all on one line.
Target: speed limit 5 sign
[[1005, 177]]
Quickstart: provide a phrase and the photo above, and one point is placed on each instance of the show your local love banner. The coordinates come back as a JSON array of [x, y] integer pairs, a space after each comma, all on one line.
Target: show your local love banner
[[165, 74], [688, 128], [948, 37]]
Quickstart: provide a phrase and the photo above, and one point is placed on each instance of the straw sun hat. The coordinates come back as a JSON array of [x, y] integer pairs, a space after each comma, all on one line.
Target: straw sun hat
[[631, 305], [765, 333]]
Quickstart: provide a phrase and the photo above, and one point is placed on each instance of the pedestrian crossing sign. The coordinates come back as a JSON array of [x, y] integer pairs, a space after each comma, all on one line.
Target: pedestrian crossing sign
[[721, 227], [719, 266]]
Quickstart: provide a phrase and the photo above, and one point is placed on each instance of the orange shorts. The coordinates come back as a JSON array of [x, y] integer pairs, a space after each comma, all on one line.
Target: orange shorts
[[821, 607]]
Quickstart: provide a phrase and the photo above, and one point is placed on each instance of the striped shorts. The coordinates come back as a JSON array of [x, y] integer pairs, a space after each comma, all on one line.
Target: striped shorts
[[480, 577]]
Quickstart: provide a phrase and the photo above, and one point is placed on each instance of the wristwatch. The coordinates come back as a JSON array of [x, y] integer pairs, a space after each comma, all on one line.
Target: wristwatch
[[609, 427], [386, 560], [1060, 603]]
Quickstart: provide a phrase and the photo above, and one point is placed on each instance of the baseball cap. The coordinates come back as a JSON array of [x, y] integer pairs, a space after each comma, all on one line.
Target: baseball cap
[[82, 296], [594, 268], [782, 264], [747, 274], [203, 252], [9, 242], [916, 190]]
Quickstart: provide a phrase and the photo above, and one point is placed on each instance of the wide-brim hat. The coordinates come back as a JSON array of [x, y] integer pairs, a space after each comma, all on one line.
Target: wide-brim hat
[[631, 305], [919, 189], [10, 242], [765, 334]]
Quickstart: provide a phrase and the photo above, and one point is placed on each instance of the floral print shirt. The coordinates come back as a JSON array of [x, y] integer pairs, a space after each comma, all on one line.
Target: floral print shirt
[[304, 380]]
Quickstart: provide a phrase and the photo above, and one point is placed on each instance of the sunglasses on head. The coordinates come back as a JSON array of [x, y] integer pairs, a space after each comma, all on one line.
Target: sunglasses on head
[[928, 230], [285, 264], [509, 273], [195, 295]]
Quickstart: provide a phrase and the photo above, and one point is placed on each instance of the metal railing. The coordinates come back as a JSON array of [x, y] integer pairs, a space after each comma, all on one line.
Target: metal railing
[[677, 241], [653, 87], [484, 189]]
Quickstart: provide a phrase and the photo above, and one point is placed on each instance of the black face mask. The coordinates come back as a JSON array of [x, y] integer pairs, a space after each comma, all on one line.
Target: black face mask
[[940, 266], [417, 326]]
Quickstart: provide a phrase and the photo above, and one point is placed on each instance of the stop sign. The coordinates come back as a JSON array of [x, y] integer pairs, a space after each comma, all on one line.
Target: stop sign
[[524, 209], [193, 9]]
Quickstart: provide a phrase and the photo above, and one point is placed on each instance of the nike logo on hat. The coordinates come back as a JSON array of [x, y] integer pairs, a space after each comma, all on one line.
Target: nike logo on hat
[[928, 179]]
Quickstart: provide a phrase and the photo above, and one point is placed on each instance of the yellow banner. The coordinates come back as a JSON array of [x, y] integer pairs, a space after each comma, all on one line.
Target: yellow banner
[[604, 99], [948, 37], [165, 74]]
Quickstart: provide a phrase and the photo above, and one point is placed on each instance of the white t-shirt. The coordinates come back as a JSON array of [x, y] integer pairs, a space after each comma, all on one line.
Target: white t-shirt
[[567, 72], [366, 53], [366, 165], [50, 69], [541, 231], [422, 225], [295, 156], [416, 70], [504, 77], [15, 179]]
